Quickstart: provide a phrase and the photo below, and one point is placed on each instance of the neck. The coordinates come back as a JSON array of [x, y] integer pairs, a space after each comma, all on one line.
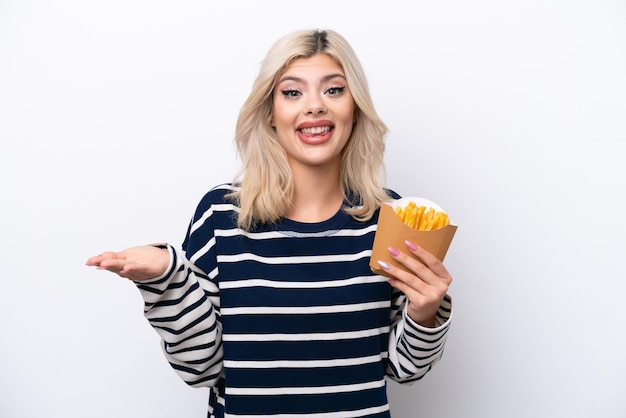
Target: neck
[[318, 194]]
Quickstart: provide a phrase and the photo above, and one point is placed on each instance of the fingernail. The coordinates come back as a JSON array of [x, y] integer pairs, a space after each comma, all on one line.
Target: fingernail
[[384, 265], [411, 246], [393, 251]]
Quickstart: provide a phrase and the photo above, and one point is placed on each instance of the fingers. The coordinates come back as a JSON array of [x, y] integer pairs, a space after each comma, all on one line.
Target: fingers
[[121, 267], [422, 278], [98, 259], [424, 265], [402, 280], [110, 261], [136, 263]]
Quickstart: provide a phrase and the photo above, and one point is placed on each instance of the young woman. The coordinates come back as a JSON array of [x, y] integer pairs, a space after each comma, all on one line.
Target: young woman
[[271, 301]]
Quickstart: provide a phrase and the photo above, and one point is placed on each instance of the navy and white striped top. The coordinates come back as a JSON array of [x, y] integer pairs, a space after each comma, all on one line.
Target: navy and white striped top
[[288, 320]]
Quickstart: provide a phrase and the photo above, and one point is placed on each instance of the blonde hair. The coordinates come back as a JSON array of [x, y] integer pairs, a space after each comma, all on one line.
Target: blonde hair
[[265, 179]]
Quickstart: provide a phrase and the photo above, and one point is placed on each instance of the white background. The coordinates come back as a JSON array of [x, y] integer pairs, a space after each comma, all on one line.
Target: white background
[[116, 116]]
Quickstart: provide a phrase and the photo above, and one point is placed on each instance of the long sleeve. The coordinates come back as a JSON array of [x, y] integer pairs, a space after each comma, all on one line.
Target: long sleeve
[[414, 349], [183, 307], [288, 319]]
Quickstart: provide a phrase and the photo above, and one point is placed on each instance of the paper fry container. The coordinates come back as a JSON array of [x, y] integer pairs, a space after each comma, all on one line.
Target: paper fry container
[[392, 232]]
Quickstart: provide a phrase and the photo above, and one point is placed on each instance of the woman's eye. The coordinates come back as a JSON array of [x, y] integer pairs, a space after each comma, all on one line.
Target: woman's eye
[[290, 93], [334, 91]]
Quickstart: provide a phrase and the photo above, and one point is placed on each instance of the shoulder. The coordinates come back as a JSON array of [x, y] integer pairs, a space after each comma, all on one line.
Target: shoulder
[[219, 195], [392, 194], [218, 200]]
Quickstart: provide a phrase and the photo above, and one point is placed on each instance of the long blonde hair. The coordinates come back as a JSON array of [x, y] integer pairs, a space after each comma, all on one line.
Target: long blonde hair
[[265, 180]]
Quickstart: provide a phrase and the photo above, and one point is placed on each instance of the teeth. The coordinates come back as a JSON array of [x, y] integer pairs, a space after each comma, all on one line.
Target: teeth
[[316, 130]]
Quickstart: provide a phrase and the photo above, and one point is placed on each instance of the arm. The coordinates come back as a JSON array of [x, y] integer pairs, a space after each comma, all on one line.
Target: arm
[[421, 312], [181, 304], [413, 348]]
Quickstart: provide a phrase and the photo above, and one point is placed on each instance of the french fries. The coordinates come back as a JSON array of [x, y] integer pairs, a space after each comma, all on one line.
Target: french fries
[[422, 218]]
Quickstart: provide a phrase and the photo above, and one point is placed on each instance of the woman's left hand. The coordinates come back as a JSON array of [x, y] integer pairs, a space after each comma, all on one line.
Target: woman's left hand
[[425, 283]]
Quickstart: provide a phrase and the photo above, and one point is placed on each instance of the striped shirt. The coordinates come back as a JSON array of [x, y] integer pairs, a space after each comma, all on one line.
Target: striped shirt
[[287, 320]]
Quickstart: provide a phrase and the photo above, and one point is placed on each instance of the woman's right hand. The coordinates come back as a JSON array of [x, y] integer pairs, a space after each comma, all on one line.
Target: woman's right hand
[[136, 263]]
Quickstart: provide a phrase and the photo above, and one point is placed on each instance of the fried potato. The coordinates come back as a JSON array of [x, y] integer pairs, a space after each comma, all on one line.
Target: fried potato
[[422, 218]]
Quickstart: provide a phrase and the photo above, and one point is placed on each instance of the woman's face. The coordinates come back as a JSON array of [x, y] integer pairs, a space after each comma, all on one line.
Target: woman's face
[[313, 112]]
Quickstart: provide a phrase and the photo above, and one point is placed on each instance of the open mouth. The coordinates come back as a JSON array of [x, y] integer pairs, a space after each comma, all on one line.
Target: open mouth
[[316, 130]]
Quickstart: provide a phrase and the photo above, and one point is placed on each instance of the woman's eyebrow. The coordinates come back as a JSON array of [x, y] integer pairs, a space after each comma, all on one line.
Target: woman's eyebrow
[[334, 75], [326, 78]]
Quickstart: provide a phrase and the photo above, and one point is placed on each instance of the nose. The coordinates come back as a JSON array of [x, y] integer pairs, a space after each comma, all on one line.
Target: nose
[[315, 106]]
